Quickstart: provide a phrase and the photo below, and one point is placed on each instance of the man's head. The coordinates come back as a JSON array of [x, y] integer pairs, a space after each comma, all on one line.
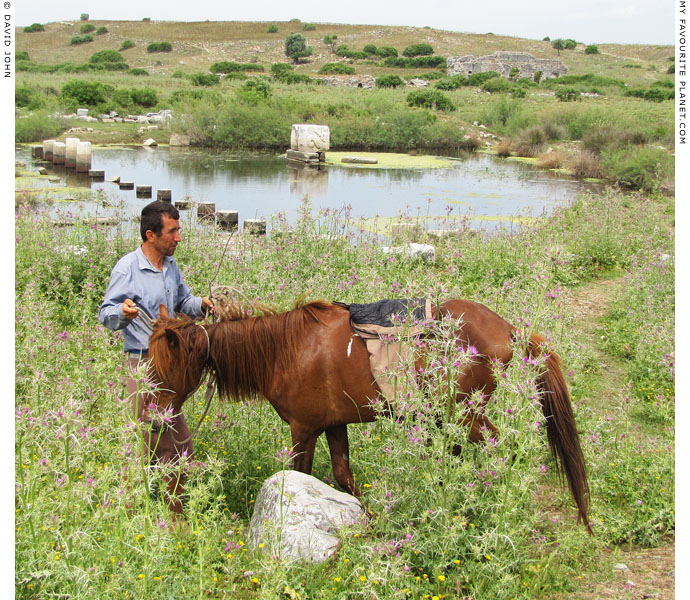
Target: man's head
[[160, 227]]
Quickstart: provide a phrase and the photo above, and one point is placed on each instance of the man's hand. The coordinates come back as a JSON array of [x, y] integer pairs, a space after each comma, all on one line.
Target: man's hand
[[207, 305], [129, 309]]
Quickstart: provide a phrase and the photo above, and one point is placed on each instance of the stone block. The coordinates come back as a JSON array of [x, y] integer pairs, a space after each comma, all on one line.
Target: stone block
[[310, 138], [298, 517]]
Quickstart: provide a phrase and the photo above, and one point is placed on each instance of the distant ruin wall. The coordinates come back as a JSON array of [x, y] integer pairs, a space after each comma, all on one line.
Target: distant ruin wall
[[503, 62]]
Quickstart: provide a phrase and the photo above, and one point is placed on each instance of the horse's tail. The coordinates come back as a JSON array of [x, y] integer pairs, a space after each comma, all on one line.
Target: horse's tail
[[561, 430]]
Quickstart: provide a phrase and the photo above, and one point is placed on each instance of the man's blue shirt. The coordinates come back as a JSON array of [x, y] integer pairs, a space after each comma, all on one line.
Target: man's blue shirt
[[135, 277]]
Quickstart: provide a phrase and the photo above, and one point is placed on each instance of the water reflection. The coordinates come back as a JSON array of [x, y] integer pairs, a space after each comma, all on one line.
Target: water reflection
[[261, 185]]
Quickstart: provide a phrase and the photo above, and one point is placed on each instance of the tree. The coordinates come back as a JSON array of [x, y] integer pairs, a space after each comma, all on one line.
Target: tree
[[559, 45], [592, 49], [84, 16], [296, 47]]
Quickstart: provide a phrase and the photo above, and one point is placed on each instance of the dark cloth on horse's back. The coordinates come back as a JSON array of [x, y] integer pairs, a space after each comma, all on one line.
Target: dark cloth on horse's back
[[384, 326], [389, 316]]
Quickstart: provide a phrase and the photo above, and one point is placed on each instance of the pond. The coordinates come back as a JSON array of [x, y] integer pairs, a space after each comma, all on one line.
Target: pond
[[478, 188]]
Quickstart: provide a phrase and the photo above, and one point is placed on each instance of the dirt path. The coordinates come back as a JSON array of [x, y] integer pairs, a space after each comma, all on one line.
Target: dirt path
[[648, 572]]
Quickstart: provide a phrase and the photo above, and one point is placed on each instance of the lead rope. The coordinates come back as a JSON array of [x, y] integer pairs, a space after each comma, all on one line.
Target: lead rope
[[210, 389]]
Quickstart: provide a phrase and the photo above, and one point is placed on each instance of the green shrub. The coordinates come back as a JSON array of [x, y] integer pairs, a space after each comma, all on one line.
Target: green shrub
[[89, 93], [430, 99], [292, 78], [84, 16], [87, 28], [497, 85], [37, 127], [418, 61], [159, 47], [225, 67], [281, 70], [138, 72], [591, 49], [126, 45], [386, 51], [537, 76], [389, 81], [101, 30], [22, 96], [658, 95], [418, 50], [568, 95], [640, 168], [308, 27], [144, 97], [80, 39], [451, 83], [23, 55], [336, 69], [477, 79], [104, 56], [272, 28], [570, 44], [255, 91], [514, 72], [344, 51], [34, 28], [205, 79], [518, 92], [370, 49]]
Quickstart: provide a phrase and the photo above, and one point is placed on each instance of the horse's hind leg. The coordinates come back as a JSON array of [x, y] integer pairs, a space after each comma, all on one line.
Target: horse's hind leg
[[340, 458]]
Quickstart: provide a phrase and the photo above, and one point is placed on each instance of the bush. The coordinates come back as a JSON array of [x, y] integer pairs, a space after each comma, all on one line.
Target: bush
[[281, 70], [451, 83], [389, 81], [23, 55], [370, 49], [477, 79], [101, 30], [34, 28], [345, 52], [537, 76], [497, 85], [80, 39], [504, 148], [206, 79], [336, 69], [106, 56], [272, 28], [84, 16], [159, 47], [532, 141], [570, 44], [640, 168], [591, 49], [255, 91], [144, 97], [225, 67], [568, 95], [418, 50], [138, 72], [87, 28], [89, 93], [308, 27], [37, 127], [430, 99], [658, 95], [126, 45], [419, 61], [586, 165], [386, 51]]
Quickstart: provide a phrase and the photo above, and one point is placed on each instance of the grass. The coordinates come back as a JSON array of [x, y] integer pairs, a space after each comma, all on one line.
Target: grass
[[499, 526]]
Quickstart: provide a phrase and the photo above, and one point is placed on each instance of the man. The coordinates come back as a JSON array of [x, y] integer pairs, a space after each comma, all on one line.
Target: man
[[143, 280]]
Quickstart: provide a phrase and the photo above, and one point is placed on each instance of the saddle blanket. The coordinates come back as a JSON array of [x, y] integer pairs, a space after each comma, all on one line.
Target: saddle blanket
[[383, 326]]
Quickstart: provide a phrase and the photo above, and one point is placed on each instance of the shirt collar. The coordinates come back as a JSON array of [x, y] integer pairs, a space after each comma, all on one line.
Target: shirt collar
[[146, 264]]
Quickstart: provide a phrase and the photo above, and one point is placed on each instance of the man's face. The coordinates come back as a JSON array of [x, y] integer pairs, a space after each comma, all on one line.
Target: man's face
[[167, 241]]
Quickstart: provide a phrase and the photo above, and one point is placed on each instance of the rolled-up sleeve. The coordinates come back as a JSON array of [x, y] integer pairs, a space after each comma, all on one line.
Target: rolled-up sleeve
[[110, 314]]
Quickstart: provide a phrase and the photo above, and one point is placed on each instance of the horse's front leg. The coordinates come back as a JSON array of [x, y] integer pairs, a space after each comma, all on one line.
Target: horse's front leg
[[340, 458], [303, 445]]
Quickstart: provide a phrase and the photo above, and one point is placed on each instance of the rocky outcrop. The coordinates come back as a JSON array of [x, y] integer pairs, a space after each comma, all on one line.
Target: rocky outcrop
[[503, 63], [353, 81]]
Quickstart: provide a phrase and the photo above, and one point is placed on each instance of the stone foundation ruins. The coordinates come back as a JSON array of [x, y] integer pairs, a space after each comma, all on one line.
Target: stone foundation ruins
[[504, 62]]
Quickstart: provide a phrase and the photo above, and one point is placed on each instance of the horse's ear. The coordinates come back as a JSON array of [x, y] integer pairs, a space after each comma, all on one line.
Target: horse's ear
[[164, 312]]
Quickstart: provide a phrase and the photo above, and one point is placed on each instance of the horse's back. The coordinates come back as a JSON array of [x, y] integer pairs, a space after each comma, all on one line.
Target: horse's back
[[482, 328]]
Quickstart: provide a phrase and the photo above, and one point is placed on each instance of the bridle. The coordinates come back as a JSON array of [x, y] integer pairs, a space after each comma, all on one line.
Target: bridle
[[211, 385]]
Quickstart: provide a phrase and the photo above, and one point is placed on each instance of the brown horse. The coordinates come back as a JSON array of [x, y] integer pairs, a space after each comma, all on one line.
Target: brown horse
[[316, 373]]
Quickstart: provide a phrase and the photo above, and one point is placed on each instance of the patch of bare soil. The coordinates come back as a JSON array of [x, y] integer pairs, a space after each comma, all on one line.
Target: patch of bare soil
[[638, 573]]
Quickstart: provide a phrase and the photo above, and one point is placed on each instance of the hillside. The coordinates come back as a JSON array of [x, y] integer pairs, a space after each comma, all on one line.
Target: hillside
[[198, 45]]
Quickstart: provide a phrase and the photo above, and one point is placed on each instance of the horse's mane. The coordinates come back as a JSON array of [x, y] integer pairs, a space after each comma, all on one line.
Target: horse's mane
[[245, 352]]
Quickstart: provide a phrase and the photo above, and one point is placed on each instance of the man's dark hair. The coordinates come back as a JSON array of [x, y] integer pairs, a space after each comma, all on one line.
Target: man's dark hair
[[152, 216]]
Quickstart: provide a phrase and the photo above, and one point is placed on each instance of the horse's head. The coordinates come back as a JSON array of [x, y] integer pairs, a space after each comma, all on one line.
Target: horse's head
[[178, 349]]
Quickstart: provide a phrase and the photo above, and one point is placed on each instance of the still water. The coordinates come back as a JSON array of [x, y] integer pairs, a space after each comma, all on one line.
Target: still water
[[485, 190]]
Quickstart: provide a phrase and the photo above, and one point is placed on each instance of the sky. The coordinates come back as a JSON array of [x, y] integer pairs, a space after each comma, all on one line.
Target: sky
[[587, 21]]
